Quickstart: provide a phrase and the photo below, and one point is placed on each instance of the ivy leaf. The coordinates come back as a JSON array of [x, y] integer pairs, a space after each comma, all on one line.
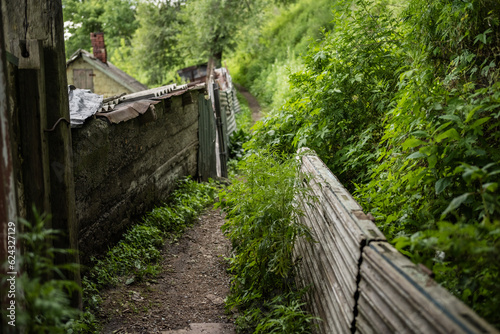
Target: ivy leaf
[[455, 203], [412, 142], [451, 133], [442, 184]]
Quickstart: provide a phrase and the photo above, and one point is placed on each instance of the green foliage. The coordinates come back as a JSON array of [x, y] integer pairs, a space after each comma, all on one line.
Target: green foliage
[[339, 99], [155, 53], [45, 301], [270, 43], [286, 316], [116, 18], [236, 141], [244, 119], [405, 108], [263, 225]]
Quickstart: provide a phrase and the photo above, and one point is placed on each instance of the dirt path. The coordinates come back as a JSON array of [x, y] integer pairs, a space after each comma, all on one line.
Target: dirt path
[[190, 290], [252, 103]]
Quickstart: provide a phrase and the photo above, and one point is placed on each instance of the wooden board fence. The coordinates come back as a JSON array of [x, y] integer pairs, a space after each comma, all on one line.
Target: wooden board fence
[[360, 283]]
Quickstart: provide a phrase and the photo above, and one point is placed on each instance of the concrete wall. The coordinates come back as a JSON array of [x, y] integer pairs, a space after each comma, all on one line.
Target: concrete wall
[[103, 84], [122, 170]]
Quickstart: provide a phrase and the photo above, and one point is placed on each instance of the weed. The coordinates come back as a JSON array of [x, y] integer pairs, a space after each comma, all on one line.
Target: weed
[[262, 225], [44, 304]]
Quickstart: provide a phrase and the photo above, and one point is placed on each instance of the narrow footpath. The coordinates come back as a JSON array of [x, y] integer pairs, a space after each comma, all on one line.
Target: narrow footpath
[[253, 104], [187, 297]]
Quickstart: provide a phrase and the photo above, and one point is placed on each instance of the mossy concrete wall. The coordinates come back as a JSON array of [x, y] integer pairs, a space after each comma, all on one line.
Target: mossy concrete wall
[[122, 170], [103, 84]]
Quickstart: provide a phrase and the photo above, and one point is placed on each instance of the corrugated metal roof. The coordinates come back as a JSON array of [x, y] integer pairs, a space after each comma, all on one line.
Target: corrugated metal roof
[[126, 107], [129, 110], [109, 69]]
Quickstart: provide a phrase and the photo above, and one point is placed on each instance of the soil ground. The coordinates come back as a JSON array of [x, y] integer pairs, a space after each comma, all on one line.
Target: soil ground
[[190, 289], [253, 104]]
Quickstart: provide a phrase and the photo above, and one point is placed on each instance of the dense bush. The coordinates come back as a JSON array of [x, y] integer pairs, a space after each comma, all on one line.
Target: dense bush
[[405, 109], [43, 292], [341, 96]]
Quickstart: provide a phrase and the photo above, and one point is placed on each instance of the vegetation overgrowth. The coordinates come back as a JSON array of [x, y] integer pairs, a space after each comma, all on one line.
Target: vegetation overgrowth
[[262, 224], [404, 107], [400, 98], [44, 306]]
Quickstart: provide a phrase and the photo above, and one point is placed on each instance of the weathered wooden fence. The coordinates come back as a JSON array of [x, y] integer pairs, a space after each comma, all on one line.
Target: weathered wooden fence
[[360, 282]]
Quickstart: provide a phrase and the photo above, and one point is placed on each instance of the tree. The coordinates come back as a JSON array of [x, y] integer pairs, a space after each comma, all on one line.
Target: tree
[[155, 50], [212, 24], [116, 18]]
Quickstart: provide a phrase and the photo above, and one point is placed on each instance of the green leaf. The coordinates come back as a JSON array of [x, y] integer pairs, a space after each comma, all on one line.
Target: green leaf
[[472, 113], [432, 160], [420, 133], [442, 127], [416, 155], [442, 184], [480, 121], [453, 118], [451, 133], [492, 186], [412, 142], [455, 203]]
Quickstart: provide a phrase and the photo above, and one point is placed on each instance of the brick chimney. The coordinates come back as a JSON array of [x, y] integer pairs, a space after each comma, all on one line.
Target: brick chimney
[[98, 46]]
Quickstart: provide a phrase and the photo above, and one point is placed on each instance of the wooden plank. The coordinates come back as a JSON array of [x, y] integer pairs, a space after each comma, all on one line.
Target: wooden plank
[[332, 317], [343, 268], [408, 300]]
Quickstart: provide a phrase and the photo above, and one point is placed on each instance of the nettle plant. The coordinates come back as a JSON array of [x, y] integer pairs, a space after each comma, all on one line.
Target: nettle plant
[[44, 293], [263, 226]]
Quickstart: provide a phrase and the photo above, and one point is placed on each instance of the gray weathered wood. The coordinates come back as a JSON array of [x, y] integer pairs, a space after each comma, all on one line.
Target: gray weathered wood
[[359, 281], [37, 89]]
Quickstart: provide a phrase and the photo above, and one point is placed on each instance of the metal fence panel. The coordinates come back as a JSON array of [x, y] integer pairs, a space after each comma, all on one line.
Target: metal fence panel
[[207, 136]]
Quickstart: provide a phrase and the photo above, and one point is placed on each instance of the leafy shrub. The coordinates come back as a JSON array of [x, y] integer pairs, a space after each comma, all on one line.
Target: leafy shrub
[[244, 119], [46, 293], [436, 188], [262, 225], [405, 109], [340, 98], [272, 43], [236, 141]]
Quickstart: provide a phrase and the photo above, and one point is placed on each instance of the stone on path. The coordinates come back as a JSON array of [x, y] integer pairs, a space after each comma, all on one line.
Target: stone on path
[[205, 328]]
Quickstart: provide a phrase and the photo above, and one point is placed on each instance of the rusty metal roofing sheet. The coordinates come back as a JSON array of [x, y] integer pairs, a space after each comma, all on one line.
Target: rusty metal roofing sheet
[[126, 111]]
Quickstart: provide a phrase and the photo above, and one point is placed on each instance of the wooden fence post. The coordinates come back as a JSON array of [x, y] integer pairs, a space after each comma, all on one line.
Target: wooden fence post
[[220, 132], [8, 207], [34, 34]]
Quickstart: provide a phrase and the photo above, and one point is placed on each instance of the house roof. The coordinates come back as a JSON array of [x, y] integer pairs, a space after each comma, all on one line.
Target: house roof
[[109, 69]]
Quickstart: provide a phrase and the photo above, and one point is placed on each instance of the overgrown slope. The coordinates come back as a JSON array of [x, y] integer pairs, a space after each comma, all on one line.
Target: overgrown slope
[[405, 109]]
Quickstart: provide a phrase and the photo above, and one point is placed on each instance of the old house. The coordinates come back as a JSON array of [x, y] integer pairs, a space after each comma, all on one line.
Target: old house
[[93, 71]]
